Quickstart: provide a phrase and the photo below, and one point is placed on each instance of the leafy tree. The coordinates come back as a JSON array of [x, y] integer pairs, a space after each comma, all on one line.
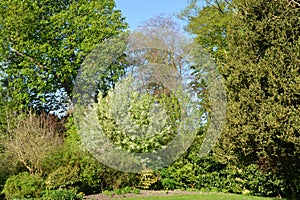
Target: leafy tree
[[136, 129], [262, 82], [43, 44], [209, 23], [144, 113]]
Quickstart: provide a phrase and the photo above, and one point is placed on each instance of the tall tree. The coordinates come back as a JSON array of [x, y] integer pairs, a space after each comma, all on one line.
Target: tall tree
[[43, 43], [209, 22], [159, 45], [263, 86]]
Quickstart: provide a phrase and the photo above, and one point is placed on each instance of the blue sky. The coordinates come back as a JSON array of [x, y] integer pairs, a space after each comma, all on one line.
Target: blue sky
[[137, 11]]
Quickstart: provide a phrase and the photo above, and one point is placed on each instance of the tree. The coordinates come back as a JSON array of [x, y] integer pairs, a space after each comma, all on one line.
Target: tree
[[210, 23], [162, 49], [149, 106], [161, 61], [43, 44], [262, 82], [32, 138]]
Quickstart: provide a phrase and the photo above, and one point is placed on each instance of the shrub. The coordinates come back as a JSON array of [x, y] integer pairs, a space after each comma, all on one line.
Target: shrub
[[23, 185], [121, 191], [191, 172], [137, 115], [65, 177], [5, 170], [82, 174], [61, 195], [73, 168], [263, 183], [136, 191], [32, 138], [147, 179]]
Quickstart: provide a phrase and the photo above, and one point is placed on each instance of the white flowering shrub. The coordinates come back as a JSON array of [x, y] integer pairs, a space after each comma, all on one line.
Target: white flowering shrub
[[137, 122]]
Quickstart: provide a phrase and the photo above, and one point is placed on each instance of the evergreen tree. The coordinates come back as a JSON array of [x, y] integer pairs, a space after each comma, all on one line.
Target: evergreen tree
[[262, 74]]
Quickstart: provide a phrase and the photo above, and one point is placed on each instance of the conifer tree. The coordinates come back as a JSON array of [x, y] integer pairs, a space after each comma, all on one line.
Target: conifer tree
[[262, 74]]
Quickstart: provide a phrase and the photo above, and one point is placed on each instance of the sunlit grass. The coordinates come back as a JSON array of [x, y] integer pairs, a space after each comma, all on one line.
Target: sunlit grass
[[209, 196]]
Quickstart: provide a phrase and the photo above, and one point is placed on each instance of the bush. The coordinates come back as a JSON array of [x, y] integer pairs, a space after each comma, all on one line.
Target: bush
[[147, 179], [263, 183], [61, 195], [32, 138], [5, 170], [191, 172], [73, 168], [23, 185], [82, 174], [207, 174], [140, 113], [65, 177]]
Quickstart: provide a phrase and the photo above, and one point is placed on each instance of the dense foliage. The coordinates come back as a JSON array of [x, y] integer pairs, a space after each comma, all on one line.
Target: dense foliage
[[23, 185], [262, 81], [256, 45], [43, 44]]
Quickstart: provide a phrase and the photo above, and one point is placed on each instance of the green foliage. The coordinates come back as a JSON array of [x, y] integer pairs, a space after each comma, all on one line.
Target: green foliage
[[187, 173], [121, 191], [65, 177], [43, 45], [256, 44], [182, 174], [134, 125], [136, 191], [262, 183], [202, 196], [61, 195], [73, 168], [124, 190], [210, 24], [108, 193], [262, 81], [7, 167], [23, 185], [4, 174], [210, 175]]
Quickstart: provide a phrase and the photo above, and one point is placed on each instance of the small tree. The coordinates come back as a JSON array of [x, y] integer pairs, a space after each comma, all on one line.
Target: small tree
[[31, 138]]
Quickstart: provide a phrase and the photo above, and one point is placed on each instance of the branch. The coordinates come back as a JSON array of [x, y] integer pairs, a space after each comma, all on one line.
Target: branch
[[219, 6], [227, 2], [295, 2], [40, 65], [30, 58]]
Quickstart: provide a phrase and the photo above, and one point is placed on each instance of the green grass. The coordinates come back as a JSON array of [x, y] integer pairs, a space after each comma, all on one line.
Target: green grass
[[211, 196]]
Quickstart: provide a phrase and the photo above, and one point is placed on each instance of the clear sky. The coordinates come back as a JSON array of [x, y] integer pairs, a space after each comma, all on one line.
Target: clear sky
[[137, 11]]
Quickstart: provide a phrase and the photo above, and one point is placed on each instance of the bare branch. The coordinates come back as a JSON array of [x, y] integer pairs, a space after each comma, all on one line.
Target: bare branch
[[219, 6], [298, 4]]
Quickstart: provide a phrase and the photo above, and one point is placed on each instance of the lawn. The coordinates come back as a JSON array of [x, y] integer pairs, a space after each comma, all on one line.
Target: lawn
[[211, 196]]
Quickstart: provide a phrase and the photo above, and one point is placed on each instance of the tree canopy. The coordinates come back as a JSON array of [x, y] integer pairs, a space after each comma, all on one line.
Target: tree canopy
[[48, 49], [43, 44]]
